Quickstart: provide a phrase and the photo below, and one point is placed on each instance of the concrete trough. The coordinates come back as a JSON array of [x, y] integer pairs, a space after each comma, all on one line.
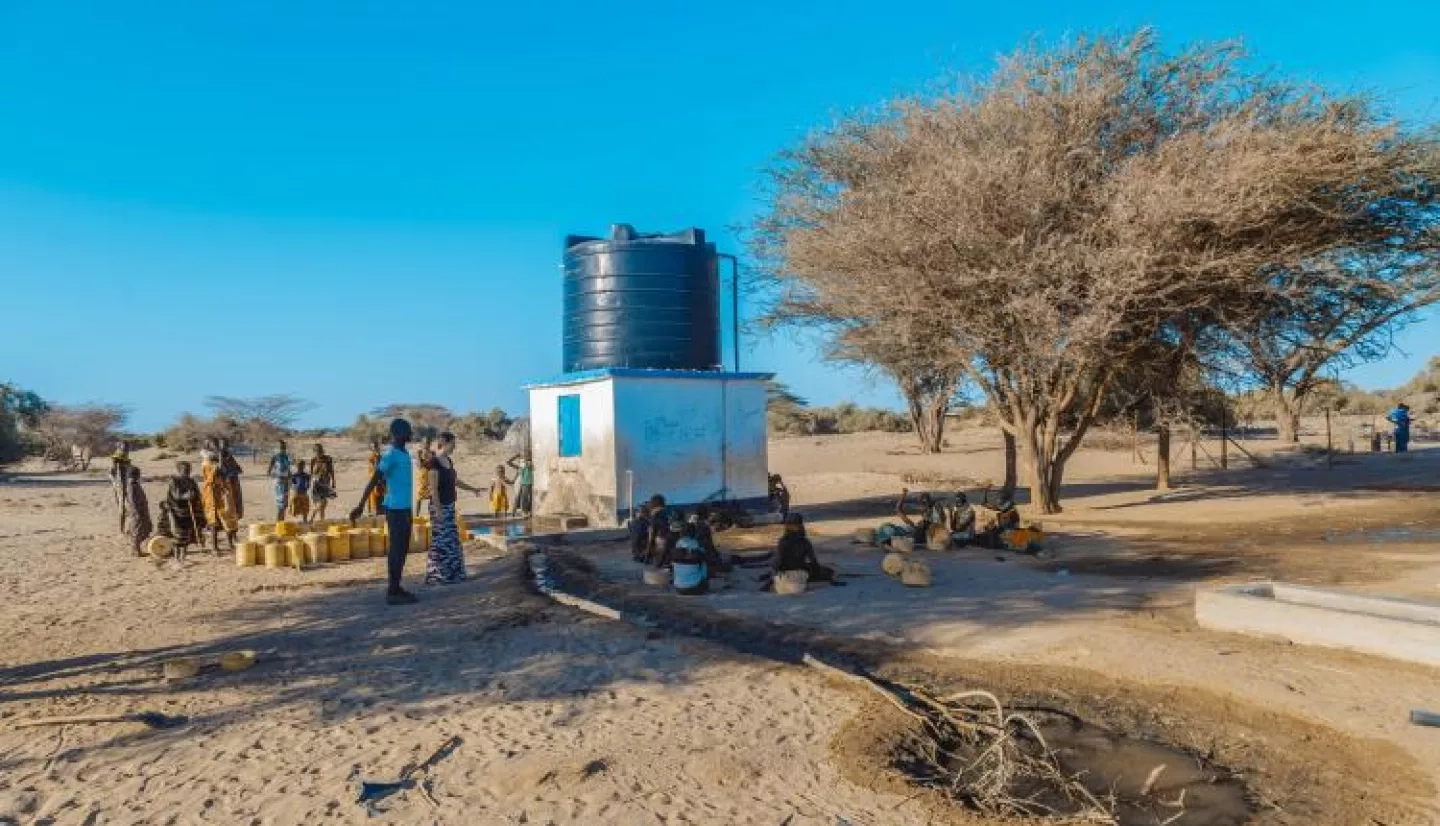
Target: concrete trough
[[1396, 628]]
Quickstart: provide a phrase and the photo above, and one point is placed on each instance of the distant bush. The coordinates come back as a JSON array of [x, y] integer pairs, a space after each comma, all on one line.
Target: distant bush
[[429, 421], [189, 432], [842, 418], [96, 427]]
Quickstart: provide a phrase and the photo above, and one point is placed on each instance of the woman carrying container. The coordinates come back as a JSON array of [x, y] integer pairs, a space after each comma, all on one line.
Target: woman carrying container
[[445, 561]]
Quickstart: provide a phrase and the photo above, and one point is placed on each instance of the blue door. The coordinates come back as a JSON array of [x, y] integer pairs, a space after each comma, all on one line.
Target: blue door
[[570, 425]]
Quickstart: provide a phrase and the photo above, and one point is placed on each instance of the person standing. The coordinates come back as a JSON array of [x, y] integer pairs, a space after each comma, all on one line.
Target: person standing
[[230, 471], [1400, 417], [182, 514], [279, 473], [119, 474], [445, 561], [500, 492], [322, 471], [375, 503], [300, 493], [524, 483], [779, 496], [422, 473], [393, 473], [135, 521], [215, 496]]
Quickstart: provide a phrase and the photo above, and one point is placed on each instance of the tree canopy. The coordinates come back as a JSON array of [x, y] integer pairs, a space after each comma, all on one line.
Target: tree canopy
[[1050, 224]]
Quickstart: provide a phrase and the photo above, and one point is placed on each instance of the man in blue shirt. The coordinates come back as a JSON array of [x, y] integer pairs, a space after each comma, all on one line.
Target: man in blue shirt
[[394, 470]]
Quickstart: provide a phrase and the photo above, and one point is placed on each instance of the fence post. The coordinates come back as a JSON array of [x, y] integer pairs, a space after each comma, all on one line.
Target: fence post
[[1224, 438], [1329, 442]]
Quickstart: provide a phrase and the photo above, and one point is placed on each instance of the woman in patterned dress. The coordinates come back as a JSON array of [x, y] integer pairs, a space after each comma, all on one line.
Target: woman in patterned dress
[[135, 521], [182, 514], [445, 562], [279, 473], [322, 470]]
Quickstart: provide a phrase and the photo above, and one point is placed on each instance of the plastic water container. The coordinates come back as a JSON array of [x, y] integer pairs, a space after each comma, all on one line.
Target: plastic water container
[[689, 577], [360, 543], [247, 553], [339, 547], [317, 548]]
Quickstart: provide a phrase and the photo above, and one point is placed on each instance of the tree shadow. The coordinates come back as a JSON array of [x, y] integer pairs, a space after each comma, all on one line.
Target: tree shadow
[[1348, 476], [43, 480], [975, 594], [339, 653]]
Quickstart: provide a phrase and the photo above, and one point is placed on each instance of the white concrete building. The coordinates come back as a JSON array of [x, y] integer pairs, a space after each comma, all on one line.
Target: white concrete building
[[597, 437]]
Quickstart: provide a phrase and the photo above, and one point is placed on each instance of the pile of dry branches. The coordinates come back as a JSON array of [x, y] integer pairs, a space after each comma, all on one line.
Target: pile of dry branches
[[992, 759]]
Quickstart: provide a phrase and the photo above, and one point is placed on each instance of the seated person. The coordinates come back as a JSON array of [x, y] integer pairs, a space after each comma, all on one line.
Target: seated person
[[659, 527], [931, 513], [690, 574], [699, 521], [663, 554], [1007, 518], [795, 553], [779, 495], [639, 526], [961, 520]]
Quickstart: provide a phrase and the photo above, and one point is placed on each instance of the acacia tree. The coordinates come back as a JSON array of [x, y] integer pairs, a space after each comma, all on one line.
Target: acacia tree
[[1336, 313], [909, 354], [93, 426], [1058, 216], [262, 418]]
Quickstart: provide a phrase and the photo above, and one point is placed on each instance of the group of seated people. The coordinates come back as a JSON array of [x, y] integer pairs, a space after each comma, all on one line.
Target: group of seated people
[[662, 537], [938, 524]]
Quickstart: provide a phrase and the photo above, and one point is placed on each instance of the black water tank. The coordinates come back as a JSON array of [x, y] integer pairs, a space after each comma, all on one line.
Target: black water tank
[[649, 301]]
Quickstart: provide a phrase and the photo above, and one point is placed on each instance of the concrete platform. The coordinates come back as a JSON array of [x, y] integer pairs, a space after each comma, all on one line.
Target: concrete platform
[[1396, 628]]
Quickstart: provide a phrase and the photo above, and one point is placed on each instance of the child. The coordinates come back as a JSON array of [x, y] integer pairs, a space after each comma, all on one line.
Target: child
[[300, 493], [524, 484], [500, 492]]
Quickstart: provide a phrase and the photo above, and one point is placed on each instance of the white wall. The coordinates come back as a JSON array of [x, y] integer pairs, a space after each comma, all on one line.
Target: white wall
[[583, 484], [691, 438], [747, 458]]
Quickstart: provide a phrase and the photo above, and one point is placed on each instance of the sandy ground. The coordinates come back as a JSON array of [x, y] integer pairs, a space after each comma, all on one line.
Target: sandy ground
[[568, 719]]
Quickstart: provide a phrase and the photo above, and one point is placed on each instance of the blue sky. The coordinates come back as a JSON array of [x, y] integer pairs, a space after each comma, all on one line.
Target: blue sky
[[243, 198]]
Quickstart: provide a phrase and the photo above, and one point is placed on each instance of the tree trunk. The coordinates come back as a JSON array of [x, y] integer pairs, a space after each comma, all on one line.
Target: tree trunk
[[1007, 490], [927, 418], [1287, 415], [1043, 472], [1162, 458]]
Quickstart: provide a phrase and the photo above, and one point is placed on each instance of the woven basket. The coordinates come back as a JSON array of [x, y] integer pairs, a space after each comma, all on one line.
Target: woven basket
[[791, 582], [656, 576], [903, 544], [237, 660], [915, 574], [893, 563], [865, 536], [180, 668], [160, 547]]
